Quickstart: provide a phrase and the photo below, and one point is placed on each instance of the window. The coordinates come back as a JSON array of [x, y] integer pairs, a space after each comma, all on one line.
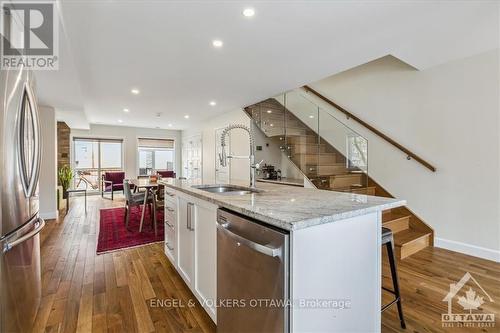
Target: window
[[155, 155], [357, 152], [93, 157]]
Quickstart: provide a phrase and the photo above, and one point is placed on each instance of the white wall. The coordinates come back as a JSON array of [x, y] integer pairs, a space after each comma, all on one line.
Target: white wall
[[239, 144], [449, 115], [48, 167], [130, 136], [272, 154]]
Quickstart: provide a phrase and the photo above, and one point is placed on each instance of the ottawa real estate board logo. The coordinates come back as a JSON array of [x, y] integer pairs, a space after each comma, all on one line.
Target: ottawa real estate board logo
[[470, 296], [29, 32]]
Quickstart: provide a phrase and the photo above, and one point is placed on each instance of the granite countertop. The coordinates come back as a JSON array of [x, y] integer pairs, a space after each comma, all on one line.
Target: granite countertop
[[283, 181], [290, 207]]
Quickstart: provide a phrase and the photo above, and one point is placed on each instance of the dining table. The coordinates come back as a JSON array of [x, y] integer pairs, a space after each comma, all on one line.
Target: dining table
[[150, 187]]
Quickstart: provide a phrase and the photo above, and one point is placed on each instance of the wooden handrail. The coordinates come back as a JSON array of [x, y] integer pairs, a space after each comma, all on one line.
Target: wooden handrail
[[410, 155]]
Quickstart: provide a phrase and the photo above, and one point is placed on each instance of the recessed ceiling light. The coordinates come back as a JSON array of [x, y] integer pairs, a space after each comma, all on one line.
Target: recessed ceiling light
[[311, 117], [213, 103], [120, 121], [126, 110], [269, 111], [169, 125], [135, 91], [271, 125], [248, 12], [186, 116], [217, 43]]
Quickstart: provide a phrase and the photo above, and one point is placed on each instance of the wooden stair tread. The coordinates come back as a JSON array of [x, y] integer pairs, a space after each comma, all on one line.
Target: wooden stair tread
[[407, 236], [353, 188], [346, 175]]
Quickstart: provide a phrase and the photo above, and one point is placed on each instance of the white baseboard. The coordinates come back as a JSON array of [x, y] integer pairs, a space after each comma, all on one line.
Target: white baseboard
[[472, 250], [49, 215]]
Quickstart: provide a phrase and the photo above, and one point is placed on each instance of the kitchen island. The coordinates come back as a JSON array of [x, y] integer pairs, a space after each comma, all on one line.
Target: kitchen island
[[333, 251]]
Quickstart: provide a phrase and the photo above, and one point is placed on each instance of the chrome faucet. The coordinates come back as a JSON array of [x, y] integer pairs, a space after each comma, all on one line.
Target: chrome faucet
[[223, 157]]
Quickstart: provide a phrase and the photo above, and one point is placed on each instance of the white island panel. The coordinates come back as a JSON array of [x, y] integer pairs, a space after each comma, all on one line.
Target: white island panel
[[337, 262]]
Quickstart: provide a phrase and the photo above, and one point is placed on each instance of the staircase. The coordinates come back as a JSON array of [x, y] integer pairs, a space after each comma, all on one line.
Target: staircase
[[334, 158]]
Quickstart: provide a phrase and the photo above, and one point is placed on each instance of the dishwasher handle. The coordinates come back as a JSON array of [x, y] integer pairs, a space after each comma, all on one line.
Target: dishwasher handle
[[268, 251]]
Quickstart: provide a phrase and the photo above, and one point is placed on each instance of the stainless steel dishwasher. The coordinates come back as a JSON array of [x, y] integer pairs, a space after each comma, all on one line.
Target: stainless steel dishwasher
[[252, 276]]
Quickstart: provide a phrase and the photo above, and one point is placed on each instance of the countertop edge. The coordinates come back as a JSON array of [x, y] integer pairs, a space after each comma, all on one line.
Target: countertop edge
[[302, 224]]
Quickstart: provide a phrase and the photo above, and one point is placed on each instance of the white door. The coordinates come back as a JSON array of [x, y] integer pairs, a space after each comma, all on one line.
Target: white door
[[191, 158], [206, 256], [196, 158], [185, 244], [185, 159], [222, 174]]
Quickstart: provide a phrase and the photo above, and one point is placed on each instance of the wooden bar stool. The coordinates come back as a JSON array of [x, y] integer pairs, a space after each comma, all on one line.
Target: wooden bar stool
[[388, 241]]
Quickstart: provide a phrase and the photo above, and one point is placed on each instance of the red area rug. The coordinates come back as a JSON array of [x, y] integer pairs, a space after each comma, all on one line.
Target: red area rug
[[113, 235]]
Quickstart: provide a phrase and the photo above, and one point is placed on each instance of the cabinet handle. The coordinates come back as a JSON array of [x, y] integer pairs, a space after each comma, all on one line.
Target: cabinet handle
[[189, 215], [170, 209], [169, 247], [170, 225], [169, 194]]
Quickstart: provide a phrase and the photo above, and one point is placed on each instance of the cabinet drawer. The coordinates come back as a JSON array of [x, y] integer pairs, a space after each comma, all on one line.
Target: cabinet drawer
[[170, 214], [170, 195], [170, 243]]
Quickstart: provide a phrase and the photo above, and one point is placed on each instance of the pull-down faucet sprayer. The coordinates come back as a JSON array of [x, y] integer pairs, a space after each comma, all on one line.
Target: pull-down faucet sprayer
[[223, 157]]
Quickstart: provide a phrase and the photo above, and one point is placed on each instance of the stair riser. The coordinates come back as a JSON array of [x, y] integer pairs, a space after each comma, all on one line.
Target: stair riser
[[398, 224], [323, 159], [408, 249], [325, 170], [344, 181], [367, 191], [308, 149], [301, 139]]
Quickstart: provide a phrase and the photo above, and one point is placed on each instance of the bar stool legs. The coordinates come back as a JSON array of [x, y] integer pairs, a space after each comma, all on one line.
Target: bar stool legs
[[388, 241]]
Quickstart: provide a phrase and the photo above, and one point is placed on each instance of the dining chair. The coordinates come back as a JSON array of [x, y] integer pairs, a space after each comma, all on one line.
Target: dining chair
[[166, 173], [133, 200], [112, 181]]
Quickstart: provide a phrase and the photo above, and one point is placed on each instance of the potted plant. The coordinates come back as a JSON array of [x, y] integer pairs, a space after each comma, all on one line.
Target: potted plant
[[65, 174]]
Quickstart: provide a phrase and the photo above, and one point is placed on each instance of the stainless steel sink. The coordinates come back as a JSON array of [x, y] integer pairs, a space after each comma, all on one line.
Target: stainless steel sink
[[226, 189]]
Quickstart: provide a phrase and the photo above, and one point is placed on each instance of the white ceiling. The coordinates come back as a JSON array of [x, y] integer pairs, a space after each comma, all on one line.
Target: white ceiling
[[164, 48]]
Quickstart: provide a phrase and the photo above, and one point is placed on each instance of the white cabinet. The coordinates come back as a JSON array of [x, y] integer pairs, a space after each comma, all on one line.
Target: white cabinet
[[185, 241], [171, 226], [205, 286], [191, 244]]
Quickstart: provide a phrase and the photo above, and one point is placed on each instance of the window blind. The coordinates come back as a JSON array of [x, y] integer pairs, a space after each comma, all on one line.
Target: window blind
[[96, 139], [155, 143]]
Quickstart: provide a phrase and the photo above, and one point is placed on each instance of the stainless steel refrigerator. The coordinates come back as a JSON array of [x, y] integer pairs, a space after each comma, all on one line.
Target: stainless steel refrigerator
[[20, 224]]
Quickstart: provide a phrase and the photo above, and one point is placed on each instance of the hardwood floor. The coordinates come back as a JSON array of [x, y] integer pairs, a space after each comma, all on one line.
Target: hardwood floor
[[425, 279], [116, 292], [111, 292]]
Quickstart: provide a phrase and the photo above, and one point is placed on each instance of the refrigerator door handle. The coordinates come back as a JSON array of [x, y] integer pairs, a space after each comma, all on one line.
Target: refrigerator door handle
[[29, 150], [40, 224]]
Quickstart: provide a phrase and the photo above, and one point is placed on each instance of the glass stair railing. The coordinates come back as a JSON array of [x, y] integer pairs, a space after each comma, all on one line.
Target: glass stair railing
[[330, 154]]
